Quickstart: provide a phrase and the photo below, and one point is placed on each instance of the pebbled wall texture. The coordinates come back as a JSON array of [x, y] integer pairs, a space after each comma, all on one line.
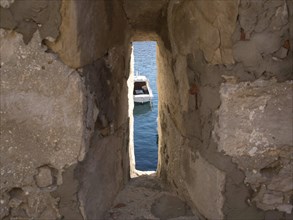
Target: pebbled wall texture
[[225, 109]]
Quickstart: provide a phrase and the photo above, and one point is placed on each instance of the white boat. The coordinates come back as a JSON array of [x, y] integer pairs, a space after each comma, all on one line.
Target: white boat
[[142, 91]]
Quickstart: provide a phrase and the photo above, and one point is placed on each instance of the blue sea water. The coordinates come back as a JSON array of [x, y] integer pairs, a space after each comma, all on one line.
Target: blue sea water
[[145, 115]]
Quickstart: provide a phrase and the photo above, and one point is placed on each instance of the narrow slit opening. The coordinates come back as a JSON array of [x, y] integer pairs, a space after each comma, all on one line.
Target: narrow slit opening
[[143, 108]]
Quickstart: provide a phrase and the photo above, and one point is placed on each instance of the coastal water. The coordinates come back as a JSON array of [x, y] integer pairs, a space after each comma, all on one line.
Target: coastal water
[[145, 115]]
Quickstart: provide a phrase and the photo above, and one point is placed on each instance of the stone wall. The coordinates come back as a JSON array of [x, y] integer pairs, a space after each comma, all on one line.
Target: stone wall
[[255, 129], [26, 17], [88, 29], [42, 126], [106, 168], [199, 131], [225, 108], [64, 113]]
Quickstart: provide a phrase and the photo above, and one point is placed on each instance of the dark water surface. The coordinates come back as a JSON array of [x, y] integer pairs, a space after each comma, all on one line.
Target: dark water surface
[[145, 115]]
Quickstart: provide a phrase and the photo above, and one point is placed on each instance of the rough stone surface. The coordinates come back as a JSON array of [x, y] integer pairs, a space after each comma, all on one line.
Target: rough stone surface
[[208, 25], [107, 161], [76, 38], [68, 203], [44, 178], [170, 207], [6, 3], [41, 121], [55, 112], [27, 90], [261, 119], [206, 183], [255, 128], [258, 46], [246, 52], [146, 198], [26, 17], [144, 16], [76, 122]]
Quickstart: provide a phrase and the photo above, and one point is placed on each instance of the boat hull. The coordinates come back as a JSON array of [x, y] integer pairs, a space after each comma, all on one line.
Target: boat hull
[[142, 98]]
